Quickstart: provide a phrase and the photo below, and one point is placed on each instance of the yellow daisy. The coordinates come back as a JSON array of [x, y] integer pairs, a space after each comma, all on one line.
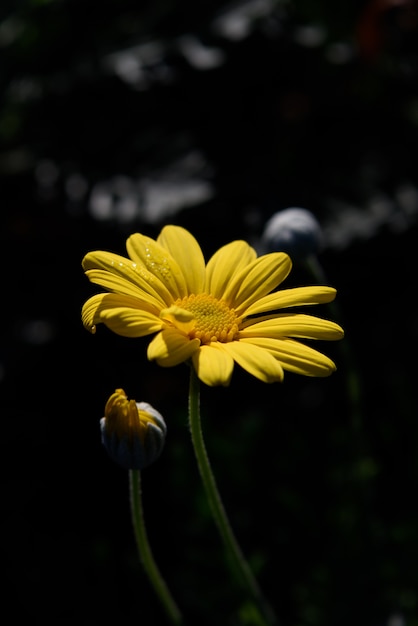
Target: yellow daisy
[[214, 314]]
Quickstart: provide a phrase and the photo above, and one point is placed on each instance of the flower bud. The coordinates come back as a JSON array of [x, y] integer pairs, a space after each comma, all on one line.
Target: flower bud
[[294, 231], [133, 433]]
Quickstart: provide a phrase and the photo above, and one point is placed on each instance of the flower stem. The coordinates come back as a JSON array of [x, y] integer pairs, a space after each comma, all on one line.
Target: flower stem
[[144, 549], [241, 567]]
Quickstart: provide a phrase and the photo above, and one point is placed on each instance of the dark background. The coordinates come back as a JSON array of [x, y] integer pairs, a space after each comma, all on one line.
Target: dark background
[[123, 116]]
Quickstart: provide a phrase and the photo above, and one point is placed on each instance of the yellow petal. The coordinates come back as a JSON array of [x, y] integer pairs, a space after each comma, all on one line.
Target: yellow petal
[[94, 306], [159, 262], [213, 365], [255, 360], [257, 280], [130, 322], [295, 357], [293, 325], [298, 296], [128, 271], [105, 261], [171, 347], [224, 264], [184, 248], [180, 318], [119, 285], [90, 313]]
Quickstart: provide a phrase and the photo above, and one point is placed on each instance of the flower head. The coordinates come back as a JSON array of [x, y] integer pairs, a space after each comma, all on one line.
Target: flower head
[[213, 314], [133, 433]]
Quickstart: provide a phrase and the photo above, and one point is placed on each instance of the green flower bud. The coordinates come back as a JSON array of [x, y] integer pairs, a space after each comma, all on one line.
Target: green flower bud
[[133, 433]]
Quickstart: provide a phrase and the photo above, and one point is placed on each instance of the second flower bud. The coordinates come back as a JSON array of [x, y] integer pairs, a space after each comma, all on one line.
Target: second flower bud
[[133, 433]]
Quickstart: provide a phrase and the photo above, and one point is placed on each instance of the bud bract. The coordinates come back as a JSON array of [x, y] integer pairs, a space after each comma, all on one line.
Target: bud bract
[[133, 433]]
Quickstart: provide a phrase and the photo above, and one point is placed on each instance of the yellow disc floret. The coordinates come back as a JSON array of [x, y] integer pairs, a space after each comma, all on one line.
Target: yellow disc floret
[[213, 319]]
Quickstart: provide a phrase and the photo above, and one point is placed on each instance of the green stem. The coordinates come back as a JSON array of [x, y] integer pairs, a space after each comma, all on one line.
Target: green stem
[[144, 549], [266, 616]]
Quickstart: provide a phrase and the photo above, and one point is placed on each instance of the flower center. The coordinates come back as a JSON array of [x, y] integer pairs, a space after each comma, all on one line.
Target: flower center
[[213, 319]]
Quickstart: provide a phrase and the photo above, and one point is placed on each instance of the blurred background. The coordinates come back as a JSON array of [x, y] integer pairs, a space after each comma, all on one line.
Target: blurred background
[[120, 116]]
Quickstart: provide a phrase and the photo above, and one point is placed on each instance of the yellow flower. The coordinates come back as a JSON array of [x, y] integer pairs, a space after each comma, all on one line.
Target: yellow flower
[[215, 314]]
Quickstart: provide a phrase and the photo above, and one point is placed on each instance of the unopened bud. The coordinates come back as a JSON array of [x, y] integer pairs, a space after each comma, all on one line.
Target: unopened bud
[[294, 231], [133, 433]]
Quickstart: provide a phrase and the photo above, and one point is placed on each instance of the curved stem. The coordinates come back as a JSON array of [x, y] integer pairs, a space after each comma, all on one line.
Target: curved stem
[[144, 549], [266, 617]]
